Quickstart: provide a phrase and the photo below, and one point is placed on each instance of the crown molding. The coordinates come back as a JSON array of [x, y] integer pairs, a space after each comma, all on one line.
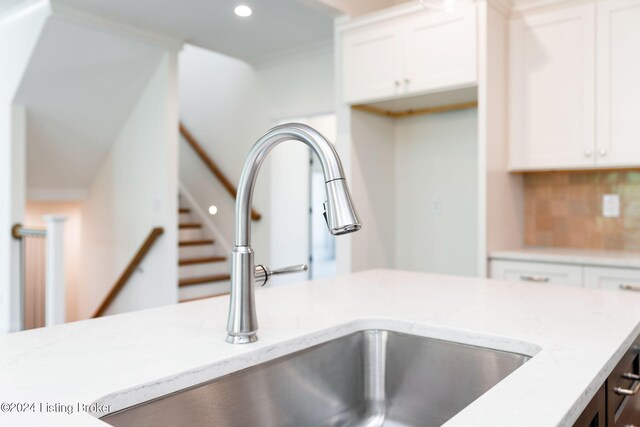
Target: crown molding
[[118, 26]]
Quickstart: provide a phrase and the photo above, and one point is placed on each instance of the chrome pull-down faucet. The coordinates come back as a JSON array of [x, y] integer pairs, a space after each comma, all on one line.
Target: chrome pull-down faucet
[[340, 215]]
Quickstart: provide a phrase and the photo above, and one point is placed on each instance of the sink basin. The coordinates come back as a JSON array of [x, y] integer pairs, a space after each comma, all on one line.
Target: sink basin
[[369, 378]]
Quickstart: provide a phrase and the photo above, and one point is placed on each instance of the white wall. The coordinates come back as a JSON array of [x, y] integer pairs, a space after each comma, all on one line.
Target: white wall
[[19, 34], [436, 193], [504, 191], [373, 185], [135, 190], [398, 168], [299, 84]]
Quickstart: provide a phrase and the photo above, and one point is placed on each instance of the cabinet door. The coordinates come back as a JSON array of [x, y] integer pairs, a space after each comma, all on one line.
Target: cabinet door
[[537, 272], [552, 89], [370, 64], [626, 279], [594, 415], [618, 23], [440, 51]]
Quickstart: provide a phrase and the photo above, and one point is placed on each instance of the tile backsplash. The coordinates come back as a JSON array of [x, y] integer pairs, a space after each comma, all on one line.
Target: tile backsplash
[[564, 209]]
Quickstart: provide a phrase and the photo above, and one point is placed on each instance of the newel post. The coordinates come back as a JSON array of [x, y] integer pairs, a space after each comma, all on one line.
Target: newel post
[[55, 310]]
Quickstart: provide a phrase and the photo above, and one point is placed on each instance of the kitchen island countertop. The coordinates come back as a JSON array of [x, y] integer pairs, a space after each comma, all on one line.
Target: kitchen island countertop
[[575, 337]]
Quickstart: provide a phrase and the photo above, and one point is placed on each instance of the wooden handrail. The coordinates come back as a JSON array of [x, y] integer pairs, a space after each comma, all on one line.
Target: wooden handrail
[[128, 272], [213, 167]]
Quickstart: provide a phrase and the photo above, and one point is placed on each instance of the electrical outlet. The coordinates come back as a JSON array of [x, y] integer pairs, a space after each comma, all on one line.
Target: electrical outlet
[[611, 205], [435, 207]]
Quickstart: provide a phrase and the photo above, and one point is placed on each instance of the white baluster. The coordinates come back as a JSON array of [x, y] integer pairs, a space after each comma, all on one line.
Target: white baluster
[[55, 309]]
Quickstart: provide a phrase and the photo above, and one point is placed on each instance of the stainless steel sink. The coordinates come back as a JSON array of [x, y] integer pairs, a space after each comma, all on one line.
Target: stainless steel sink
[[370, 378]]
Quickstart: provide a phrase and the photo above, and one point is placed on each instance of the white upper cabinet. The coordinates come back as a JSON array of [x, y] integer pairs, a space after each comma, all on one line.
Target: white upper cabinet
[[420, 52], [370, 63], [440, 51], [618, 47], [552, 89], [574, 90]]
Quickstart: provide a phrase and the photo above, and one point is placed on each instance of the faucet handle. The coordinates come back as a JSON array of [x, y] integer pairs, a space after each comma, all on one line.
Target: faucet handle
[[263, 273]]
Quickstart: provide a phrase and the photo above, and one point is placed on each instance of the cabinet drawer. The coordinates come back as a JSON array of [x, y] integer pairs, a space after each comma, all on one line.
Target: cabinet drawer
[[622, 409], [537, 272], [626, 279]]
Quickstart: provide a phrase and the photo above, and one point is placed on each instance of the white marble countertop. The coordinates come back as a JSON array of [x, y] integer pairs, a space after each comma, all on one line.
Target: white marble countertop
[[576, 336], [571, 256]]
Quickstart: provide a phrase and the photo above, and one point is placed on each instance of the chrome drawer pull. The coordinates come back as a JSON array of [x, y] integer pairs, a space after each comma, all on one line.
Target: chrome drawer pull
[[631, 376], [537, 279], [629, 287], [627, 391]]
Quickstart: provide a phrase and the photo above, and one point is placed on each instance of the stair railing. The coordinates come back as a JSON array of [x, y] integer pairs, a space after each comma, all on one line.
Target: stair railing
[[213, 167], [41, 287], [148, 243]]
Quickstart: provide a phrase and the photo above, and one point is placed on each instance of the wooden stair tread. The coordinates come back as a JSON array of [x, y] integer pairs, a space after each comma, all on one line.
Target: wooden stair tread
[[204, 279], [196, 242], [190, 225], [202, 260], [204, 297], [184, 210]]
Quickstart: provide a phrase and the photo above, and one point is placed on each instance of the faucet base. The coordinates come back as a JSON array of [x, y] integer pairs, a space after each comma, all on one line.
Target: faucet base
[[241, 339]]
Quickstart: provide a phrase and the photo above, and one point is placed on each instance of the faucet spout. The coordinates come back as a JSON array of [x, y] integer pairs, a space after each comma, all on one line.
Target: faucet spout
[[340, 214]]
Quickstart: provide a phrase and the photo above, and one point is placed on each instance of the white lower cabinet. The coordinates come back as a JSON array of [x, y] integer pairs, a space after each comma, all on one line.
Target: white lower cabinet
[[537, 272], [626, 279], [612, 278]]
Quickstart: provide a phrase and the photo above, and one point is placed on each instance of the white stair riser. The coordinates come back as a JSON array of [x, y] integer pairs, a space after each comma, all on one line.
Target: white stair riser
[[206, 289], [198, 270], [197, 251], [184, 217], [185, 234]]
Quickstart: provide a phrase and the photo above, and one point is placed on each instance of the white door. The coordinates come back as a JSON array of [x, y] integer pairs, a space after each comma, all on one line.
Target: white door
[[370, 64], [618, 23], [552, 89], [440, 51]]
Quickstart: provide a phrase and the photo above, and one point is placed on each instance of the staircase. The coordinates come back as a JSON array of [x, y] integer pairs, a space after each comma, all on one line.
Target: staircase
[[203, 267]]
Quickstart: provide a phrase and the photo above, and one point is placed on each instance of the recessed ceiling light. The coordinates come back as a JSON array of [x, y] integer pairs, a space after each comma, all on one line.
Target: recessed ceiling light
[[243, 10], [213, 209]]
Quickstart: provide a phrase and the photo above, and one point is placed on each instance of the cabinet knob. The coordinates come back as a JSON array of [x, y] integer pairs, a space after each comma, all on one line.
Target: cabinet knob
[[588, 153], [603, 152], [406, 81], [397, 82]]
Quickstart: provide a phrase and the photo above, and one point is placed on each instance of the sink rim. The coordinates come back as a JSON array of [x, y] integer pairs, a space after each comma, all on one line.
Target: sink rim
[[260, 353]]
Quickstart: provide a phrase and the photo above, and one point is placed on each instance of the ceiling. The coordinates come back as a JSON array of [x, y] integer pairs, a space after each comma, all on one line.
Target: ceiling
[[80, 87], [276, 26], [7, 5]]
